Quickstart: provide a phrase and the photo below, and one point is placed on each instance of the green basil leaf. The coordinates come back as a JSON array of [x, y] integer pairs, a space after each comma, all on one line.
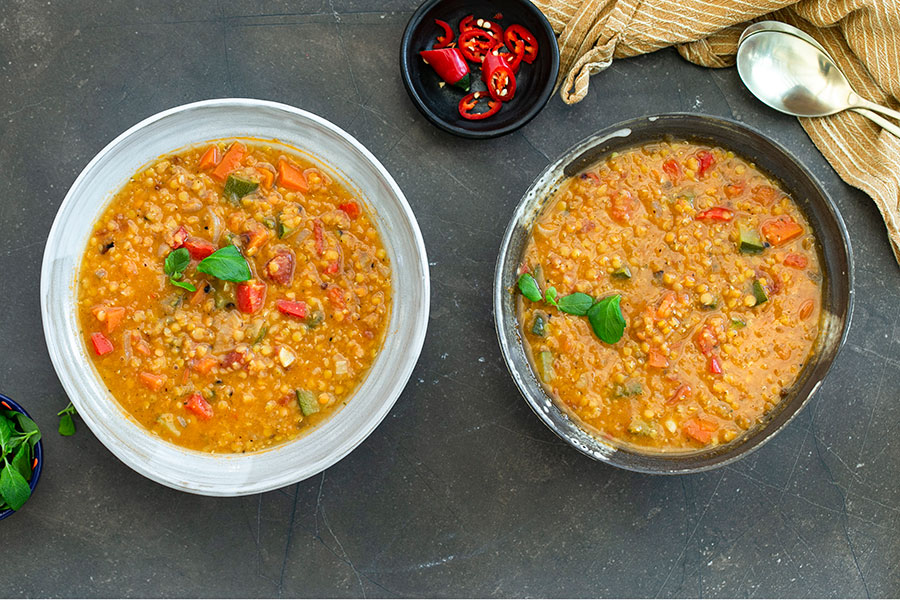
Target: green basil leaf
[[28, 426], [6, 433], [529, 287], [66, 425], [550, 296], [177, 261], [183, 284], [576, 304], [238, 187], [606, 319], [13, 487], [226, 264], [68, 410], [21, 462]]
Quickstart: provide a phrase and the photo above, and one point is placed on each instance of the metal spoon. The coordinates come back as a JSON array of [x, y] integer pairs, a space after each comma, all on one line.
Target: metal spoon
[[791, 72]]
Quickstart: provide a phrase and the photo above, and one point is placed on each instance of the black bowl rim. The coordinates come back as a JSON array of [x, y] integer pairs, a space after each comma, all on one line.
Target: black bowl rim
[[543, 98], [618, 457], [38, 453]]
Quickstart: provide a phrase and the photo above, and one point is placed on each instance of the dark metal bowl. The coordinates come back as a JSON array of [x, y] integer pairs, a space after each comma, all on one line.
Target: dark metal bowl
[[534, 83], [834, 248]]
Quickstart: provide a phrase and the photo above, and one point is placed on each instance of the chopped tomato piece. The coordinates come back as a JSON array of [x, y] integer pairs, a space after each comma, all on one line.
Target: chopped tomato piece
[[230, 161], [715, 367], [622, 206], [101, 344], [781, 230], [665, 305], [199, 406], [716, 213], [706, 160], [765, 194], [280, 268], [233, 358], [199, 248], [706, 339], [293, 308], [657, 359], [672, 168], [250, 295], [734, 189], [336, 295], [798, 261], [209, 158], [177, 239], [682, 392], [351, 208], [319, 235], [291, 177], [700, 429], [153, 381], [203, 365]]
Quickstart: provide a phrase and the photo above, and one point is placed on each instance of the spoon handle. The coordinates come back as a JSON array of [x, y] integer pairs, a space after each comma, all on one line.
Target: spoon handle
[[863, 103], [885, 124]]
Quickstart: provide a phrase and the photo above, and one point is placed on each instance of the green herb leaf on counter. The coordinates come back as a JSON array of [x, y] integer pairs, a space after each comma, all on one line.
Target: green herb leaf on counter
[[606, 319], [226, 264], [529, 287], [66, 422]]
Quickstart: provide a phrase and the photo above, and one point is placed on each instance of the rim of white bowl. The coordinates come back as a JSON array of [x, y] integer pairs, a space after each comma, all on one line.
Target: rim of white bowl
[[231, 474]]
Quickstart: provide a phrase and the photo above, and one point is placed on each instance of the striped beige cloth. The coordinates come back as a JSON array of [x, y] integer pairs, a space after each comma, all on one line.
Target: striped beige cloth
[[862, 35]]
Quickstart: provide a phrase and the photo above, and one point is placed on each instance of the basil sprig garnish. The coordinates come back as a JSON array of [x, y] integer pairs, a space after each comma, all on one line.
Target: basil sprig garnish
[[605, 315], [226, 264], [18, 437], [66, 422], [176, 262]]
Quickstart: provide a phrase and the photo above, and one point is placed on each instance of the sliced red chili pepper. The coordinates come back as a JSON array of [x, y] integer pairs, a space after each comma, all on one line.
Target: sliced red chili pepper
[[467, 23], [513, 58], [475, 44], [492, 28], [468, 103], [517, 34], [293, 308], [446, 36], [716, 213], [706, 160], [499, 77], [450, 65]]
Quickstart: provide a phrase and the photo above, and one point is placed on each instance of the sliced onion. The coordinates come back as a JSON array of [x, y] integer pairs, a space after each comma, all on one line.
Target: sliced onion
[[340, 365], [215, 225], [126, 344]]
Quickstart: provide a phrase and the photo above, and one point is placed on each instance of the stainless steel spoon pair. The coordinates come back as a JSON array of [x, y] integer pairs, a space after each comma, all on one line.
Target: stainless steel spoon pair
[[790, 71]]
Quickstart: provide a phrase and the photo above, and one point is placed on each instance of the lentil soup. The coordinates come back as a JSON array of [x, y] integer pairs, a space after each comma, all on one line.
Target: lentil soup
[[233, 296], [720, 287]]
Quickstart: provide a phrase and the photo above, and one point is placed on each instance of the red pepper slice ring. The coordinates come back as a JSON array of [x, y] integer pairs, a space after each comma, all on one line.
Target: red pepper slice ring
[[516, 34], [467, 23], [475, 43], [468, 104], [447, 36], [513, 56], [499, 77]]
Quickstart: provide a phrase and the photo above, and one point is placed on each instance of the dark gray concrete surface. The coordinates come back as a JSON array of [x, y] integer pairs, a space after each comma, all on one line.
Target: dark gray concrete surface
[[461, 491]]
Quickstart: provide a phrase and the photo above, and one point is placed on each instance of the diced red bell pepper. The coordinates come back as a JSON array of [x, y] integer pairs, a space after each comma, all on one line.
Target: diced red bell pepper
[[715, 367], [515, 34], [468, 103], [706, 339], [199, 248], [280, 268], [336, 295], [781, 230], [706, 160], [250, 295], [700, 429], [450, 65], [446, 36], [233, 358], [797, 261], [672, 168], [199, 406], [178, 238], [101, 344], [293, 308], [499, 77], [351, 208], [622, 206], [333, 268], [716, 213]]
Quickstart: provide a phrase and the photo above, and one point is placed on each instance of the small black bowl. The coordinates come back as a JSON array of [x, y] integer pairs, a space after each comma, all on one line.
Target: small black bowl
[[440, 105], [7, 404], [835, 257]]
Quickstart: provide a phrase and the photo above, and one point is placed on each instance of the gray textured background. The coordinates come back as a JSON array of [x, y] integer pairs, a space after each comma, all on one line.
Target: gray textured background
[[461, 490]]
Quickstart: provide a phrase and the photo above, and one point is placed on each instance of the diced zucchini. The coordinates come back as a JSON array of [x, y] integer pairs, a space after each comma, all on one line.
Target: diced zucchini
[[263, 330], [539, 326], [546, 364], [629, 388], [709, 303], [750, 242], [738, 324], [283, 230], [622, 273], [307, 401], [759, 292], [269, 222], [641, 427], [314, 319], [238, 187]]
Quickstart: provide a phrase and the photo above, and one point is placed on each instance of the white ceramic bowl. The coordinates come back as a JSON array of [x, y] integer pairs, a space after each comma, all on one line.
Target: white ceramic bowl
[[339, 154]]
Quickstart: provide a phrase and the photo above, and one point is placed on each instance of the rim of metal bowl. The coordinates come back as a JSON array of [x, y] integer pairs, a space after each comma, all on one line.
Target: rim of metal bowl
[[838, 293]]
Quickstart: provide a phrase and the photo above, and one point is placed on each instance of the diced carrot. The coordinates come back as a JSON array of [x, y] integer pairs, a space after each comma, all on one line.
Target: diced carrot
[[204, 365], [256, 237], [230, 161], [657, 359], [200, 407], [734, 189], [798, 261], [781, 230], [153, 381], [700, 429], [209, 158], [101, 344], [765, 194], [682, 392], [185, 375], [114, 316], [665, 305], [291, 177], [266, 178], [139, 345], [198, 296], [336, 295]]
